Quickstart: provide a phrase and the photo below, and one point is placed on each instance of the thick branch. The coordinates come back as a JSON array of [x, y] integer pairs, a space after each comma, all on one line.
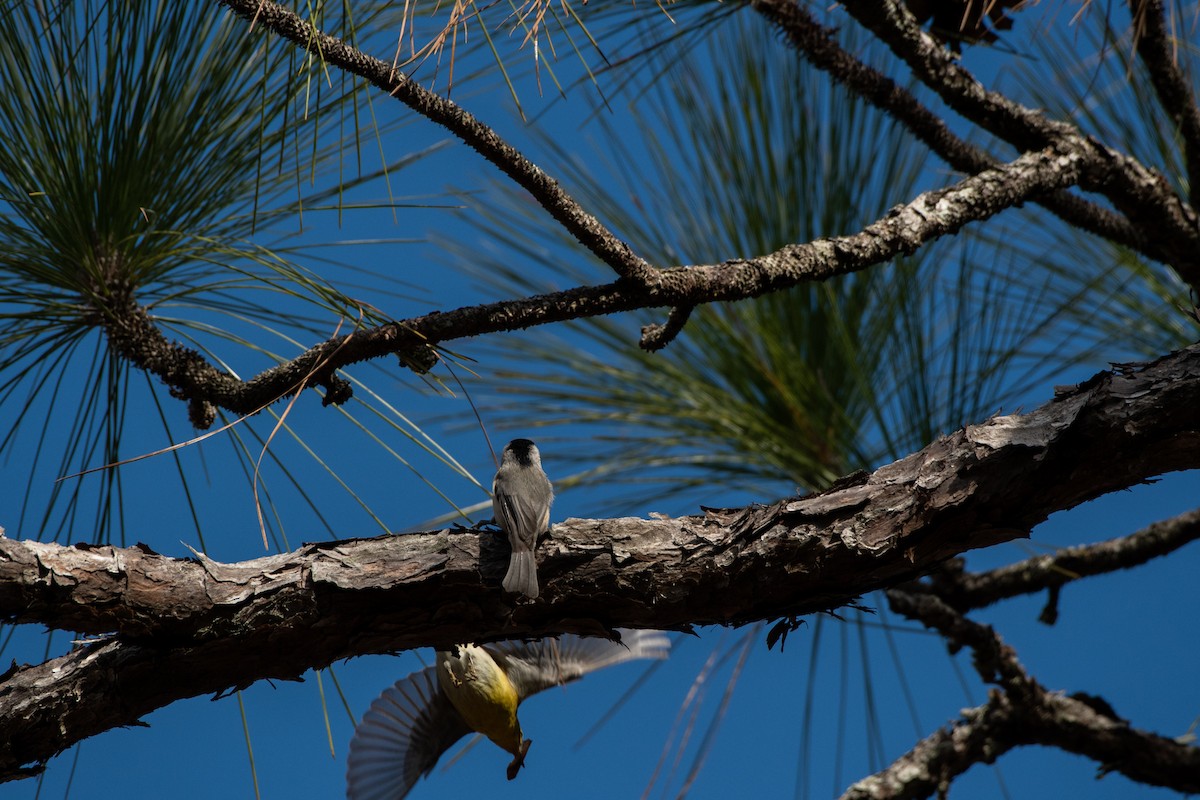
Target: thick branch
[[211, 626], [1024, 713], [1173, 88], [904, 229], [485, 141], [819, 45], [965, 591], [1141, 194]]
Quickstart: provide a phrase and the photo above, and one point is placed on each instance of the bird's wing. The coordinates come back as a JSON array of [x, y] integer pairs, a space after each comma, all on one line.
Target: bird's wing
[[517, 515], [401, 737], [534, 666]]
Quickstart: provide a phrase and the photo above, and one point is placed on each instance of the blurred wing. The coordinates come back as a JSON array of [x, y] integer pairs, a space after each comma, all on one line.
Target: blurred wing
[[520, 516], [534, 666], [400, 738]]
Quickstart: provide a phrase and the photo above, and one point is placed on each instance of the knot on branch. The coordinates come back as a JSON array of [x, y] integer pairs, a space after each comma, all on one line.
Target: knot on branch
[[337, 390], [419, 358], [655, 337], [201, 414], [109, 299]]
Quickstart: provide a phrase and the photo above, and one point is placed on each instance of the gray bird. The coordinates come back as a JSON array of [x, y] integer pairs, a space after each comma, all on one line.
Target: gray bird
[[521, 498]]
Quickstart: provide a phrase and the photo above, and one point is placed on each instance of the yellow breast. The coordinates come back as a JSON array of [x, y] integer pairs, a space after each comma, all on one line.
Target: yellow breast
[[482, 693]]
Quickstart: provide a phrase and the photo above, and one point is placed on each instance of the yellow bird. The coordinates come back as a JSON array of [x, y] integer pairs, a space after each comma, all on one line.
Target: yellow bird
[[472, 688]]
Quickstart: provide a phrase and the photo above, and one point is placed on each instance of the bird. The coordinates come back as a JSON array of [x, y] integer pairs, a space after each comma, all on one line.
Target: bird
[[472, 688], [521, 498]]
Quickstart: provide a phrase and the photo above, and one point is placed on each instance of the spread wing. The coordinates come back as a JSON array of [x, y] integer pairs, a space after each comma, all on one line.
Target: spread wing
[[401, 737], [534, 666], [520, 517]]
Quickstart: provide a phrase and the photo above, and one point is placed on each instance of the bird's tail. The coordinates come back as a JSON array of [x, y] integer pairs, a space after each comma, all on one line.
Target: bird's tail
[[522, 574]]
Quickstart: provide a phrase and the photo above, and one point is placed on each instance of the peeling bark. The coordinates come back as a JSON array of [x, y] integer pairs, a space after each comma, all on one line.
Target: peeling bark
[[201, 626]]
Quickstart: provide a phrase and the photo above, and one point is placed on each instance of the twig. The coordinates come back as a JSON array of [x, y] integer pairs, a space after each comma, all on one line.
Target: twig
[[1173, 88], [1023, 713], [902, 230], [978, 590], [656, 337], [585, 227], [1140, 193], [819, 45]]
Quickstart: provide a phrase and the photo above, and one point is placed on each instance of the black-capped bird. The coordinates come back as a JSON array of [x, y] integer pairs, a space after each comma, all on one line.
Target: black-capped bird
[[521, 498]]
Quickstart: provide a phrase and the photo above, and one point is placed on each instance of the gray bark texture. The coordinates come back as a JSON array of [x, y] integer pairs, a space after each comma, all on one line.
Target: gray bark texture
[[177, 628]]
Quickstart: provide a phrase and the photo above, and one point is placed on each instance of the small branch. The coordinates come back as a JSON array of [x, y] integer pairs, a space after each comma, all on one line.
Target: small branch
[[485, 141], [1173, 88], [987, 732], [995, 661], [819, 45], [1140, 194], [977, 590], [656, 337], [110, 684], [980, 736], [1023, 713], [940, 70], [903, 230], [202, 626]]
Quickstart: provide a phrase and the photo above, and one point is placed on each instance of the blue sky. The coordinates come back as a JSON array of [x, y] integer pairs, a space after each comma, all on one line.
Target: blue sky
[[1126, 637]]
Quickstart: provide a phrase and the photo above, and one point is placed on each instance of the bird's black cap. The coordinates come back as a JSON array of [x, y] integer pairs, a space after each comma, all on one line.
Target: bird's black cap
[[522, 449]]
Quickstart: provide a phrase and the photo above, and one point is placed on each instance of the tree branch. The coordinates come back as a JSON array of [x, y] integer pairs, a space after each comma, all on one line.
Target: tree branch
[[655, 337], [211, 626], [966, 591], [1173, 88], [1022, 713], [987, 732], [562, 207], [819, 45], [1141, 194], [980, 736], [903, 230]]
